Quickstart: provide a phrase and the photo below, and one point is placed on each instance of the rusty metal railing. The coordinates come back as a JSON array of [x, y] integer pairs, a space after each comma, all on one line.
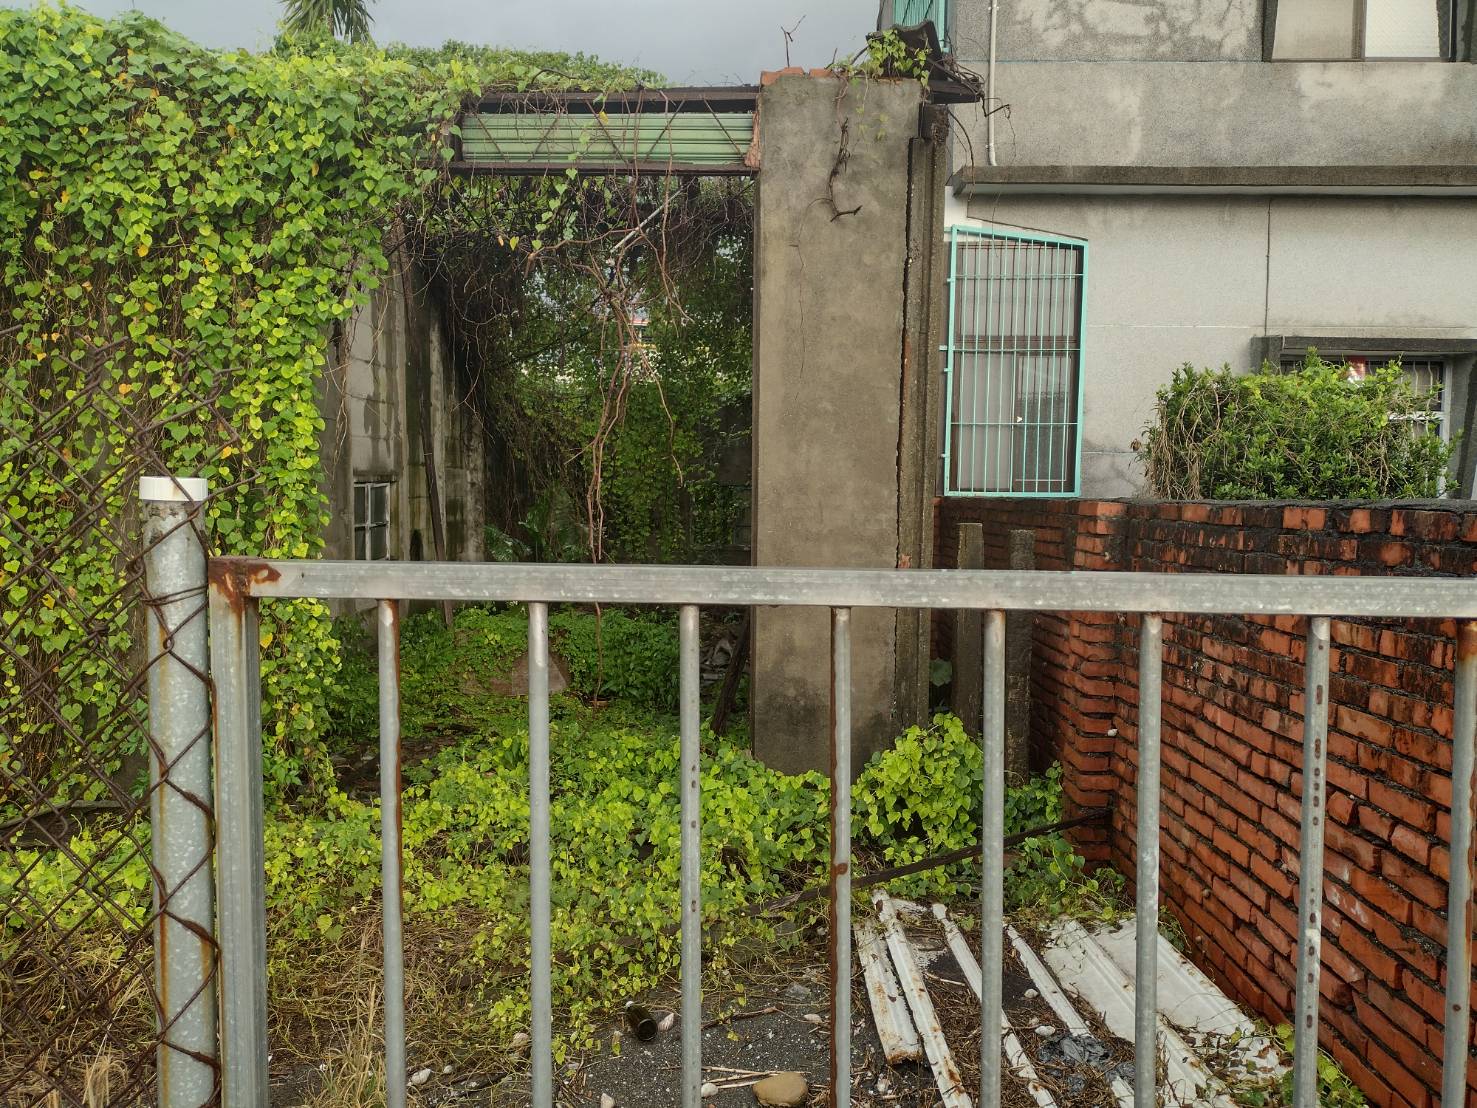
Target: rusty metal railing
[[238, 585]]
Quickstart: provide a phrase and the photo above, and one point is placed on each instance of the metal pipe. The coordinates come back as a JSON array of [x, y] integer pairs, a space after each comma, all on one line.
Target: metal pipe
[[1454, 1058], [1310, 865], [181, 805], [692, 863], [240, 857], [992, 845], [391, 881], [990, 86], [840, 856], [742, 586], [541, 1038], [1146, 930]]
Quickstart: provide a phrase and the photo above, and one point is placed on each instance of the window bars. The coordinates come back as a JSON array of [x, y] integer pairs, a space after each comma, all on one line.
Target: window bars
[[237, 585], [1013, 364]]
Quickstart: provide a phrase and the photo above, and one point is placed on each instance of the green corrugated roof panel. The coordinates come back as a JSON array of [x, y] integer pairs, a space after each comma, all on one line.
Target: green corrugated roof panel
[[717, 140]]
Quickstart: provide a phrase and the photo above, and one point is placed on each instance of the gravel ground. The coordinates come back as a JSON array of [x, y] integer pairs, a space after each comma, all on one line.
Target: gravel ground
[[744, 1042], [740, 1050]]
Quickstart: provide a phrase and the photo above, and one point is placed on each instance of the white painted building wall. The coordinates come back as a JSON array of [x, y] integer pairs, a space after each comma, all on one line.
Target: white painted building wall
[[1202, 279]]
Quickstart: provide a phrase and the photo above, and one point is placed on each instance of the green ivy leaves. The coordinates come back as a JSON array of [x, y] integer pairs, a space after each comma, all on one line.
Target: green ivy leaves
[[181, 230]]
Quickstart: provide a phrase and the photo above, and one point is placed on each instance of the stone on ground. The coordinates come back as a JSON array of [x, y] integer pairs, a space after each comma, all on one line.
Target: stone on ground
[[782, 1089]]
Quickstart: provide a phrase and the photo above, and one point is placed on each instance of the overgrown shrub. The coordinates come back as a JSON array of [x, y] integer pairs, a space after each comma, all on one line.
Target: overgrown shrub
[[1308, 434], [616, 832], [180, 230], [629, 656]]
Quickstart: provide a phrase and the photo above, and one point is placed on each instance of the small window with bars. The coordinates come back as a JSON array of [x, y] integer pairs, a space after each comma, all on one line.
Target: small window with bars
[[371, 520], [1013, 364], [1426, 376]]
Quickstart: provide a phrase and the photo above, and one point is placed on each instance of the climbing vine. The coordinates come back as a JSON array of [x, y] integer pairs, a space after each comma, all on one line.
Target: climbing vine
[[181, 230], [608, 366]]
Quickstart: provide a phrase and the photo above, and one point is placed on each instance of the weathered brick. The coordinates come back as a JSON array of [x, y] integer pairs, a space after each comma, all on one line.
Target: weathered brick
[[1232, 746]]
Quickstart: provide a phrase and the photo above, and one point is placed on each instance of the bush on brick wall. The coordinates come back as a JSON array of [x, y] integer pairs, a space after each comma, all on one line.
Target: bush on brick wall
[[1311, 433]]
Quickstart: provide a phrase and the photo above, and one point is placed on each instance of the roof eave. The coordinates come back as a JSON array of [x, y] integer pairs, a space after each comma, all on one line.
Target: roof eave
[[1302, 180]]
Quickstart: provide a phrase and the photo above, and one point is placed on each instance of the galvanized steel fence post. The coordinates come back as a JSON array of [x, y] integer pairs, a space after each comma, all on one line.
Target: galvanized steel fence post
[[691, 754], [1146, 871], [391, 882], [181, 812], [541, 1031], [240, 864], [1310, 865], [840, 882], [992, 864]]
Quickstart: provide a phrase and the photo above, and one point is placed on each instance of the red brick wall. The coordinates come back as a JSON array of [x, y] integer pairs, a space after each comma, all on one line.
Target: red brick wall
[[1232, 754]]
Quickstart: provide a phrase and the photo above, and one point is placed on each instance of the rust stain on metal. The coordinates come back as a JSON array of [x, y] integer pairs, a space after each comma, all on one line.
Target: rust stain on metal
[[234, 578], [225, 581], [260, 573]]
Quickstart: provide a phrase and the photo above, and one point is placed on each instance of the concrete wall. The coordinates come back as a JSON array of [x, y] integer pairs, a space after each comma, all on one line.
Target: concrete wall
[[389, 369], [1184, 84], [1175, 279], [829, 358], [1233, 113], [1110, 30]]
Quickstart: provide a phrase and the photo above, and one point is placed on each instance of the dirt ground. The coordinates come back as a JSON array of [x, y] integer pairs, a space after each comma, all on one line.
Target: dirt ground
[[769, 1032]]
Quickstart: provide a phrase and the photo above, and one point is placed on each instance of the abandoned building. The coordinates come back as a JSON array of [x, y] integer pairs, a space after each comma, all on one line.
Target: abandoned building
[[404, 453]]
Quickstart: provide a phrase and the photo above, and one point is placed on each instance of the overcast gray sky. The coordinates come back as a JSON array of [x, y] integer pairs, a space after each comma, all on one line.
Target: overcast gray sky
[[696, 41]]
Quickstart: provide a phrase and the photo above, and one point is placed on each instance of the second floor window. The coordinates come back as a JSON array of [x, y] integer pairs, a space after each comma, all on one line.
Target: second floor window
[[1353, 30]]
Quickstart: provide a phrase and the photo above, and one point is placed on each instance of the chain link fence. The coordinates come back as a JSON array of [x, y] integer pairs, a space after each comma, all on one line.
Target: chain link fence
[[92, 616]]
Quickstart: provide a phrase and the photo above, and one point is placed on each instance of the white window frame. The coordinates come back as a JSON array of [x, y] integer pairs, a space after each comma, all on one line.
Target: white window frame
[[1358, 50]]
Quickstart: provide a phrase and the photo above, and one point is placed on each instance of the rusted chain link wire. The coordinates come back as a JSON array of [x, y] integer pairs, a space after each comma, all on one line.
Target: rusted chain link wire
[[80, 897]]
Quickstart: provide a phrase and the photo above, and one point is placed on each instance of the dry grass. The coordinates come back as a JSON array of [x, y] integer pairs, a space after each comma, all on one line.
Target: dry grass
[[353, 1074], [88, 1031], [327, 994]]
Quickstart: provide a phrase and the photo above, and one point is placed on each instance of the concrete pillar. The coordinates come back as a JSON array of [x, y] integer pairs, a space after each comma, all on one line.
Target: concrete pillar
[[832, 251]]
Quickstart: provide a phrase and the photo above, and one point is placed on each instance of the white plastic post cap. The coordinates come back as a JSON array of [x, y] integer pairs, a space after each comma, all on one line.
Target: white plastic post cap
[[176, 489]]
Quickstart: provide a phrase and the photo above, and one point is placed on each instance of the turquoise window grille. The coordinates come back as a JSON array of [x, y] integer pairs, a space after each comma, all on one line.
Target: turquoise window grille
[[906, 13], [1013, 364]]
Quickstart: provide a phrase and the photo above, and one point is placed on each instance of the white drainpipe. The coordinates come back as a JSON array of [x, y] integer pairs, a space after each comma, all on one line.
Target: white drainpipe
[[990, 89]]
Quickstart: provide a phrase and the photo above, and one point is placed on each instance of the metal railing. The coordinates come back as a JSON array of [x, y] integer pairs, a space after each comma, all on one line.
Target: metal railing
[[237, 585]]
